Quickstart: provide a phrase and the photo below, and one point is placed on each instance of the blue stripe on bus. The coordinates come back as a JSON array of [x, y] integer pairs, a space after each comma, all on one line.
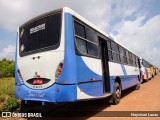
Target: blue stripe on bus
[[84, 73], [123, 69]]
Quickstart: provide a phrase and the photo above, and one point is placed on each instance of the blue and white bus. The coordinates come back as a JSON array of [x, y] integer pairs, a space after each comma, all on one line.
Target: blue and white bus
[[62, 57]]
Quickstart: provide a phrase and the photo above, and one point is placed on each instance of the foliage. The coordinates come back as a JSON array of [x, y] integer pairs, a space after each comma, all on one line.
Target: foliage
[[6, 68], [10, 105], [7, 86], [2, 98], [7, 99]]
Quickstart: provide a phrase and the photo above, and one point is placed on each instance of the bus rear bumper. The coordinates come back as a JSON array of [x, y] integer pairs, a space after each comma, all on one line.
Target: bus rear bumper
[[55, 93]]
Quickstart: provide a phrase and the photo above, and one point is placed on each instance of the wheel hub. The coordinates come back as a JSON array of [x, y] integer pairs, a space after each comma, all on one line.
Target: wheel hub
[[118, 92]]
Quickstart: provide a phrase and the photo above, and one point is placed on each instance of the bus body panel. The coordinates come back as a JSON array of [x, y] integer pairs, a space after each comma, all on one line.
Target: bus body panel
[[89, 77], [47, 95], [127, 74], [65, 93], [68, 75], [116, 69], [133, 74], [67, 87], [30, 67], [88, 89]]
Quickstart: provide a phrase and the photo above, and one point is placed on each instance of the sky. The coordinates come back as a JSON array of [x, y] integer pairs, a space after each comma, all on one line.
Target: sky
[[133, 23]]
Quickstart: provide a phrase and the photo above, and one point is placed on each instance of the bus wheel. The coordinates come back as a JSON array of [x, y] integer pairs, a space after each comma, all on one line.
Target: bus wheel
[[117, 93]]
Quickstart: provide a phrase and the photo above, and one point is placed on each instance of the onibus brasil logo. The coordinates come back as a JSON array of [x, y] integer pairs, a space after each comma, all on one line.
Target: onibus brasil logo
[[13, 114]]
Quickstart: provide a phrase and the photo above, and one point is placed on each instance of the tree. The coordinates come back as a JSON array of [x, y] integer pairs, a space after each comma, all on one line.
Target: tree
[[6, 68]]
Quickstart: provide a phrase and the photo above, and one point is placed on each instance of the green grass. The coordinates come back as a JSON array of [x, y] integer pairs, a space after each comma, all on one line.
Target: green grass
[[7, 86], [7, 99]]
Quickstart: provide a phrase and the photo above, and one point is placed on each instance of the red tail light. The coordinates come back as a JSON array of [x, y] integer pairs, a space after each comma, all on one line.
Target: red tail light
[[19, 73], [59, 70], [61, 65], [38, 82]]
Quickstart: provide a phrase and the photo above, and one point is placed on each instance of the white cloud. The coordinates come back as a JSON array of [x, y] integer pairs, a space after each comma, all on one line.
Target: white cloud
[[101, 13], [16, 12], [8, 52], [144, 39], [12, 13]]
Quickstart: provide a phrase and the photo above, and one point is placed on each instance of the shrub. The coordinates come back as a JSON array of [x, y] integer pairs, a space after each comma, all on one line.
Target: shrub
[[7, 100], [6, 68], [10, 105], [2, 98]]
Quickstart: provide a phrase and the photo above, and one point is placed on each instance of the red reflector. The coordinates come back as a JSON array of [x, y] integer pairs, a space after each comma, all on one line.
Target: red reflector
[[61, 65], [58, 89], [38, 82], [19, 73]]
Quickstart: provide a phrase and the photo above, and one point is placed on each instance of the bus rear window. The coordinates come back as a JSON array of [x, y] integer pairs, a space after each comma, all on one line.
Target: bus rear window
[[40, 35]]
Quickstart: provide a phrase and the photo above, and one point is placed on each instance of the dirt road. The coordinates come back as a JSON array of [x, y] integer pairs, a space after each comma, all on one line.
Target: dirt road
[[147, 98]]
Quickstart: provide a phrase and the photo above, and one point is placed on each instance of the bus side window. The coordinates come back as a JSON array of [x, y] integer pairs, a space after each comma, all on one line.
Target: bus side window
[[92, 43], [110, 55], [92, 49], [91, 35], [125, 56], [79, 29], [109, 45], [118, 53], [81, 45], [109, 50]]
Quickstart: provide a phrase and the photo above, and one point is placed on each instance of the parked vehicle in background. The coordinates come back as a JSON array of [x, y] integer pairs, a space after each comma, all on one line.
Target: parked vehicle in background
[[152, 70], [157, 70], [146, 71]]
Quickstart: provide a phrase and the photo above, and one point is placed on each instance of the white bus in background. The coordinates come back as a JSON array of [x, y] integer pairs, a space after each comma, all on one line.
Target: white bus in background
[[146, 71]]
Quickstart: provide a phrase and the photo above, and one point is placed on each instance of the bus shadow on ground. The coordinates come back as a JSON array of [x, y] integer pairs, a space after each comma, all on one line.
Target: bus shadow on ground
[[79, 110], [127, 92]]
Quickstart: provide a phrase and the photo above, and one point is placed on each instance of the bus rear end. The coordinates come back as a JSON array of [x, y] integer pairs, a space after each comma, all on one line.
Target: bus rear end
[[39, 57]]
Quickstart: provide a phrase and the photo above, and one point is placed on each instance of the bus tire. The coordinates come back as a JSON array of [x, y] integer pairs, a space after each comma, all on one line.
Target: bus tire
[[116, 96]]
